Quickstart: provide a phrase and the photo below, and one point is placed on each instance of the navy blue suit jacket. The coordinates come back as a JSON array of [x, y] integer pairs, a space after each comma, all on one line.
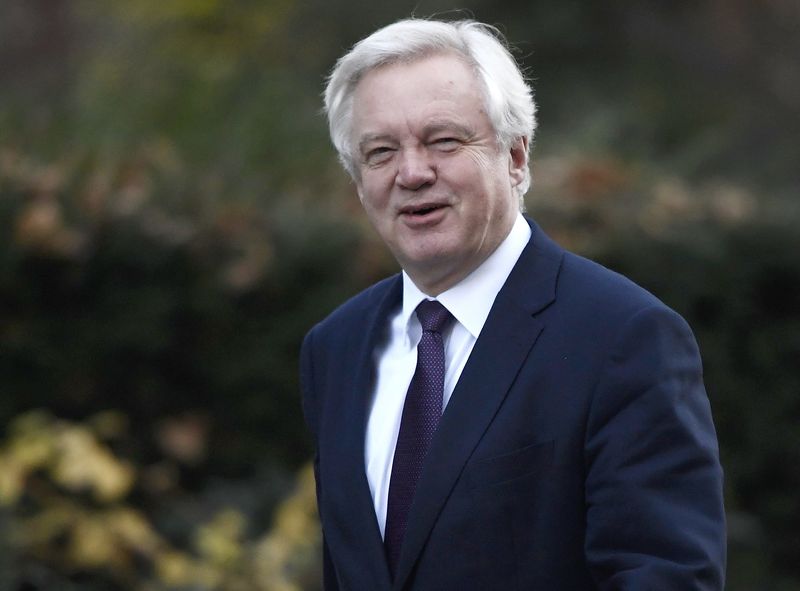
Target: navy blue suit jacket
[[577, 451]]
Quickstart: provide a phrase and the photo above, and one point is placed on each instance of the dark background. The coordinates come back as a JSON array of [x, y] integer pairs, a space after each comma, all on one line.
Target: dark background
[[173, 220]]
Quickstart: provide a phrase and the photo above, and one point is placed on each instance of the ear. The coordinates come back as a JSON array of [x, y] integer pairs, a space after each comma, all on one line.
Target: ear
[[518, 160]]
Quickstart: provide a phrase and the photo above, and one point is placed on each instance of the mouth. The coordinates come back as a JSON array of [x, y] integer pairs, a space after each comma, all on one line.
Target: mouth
[[421, 210]]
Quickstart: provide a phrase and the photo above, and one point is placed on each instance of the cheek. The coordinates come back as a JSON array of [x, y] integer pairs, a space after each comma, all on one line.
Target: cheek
[[481, 161], [484, 174], [376, 208], [367, 195], [373, 190]]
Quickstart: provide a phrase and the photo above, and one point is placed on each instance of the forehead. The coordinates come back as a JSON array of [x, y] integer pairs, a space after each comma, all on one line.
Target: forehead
[[440, 86]]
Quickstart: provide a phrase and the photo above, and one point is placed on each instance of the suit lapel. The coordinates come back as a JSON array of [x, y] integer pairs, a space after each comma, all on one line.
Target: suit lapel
[[503, 346]]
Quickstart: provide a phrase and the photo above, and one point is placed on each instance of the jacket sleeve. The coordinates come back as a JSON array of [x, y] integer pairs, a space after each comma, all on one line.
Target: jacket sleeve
[[654, 508], [309, 394]]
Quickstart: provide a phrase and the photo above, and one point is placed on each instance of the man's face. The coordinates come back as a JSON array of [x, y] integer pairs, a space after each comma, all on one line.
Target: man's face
[[431, 175]]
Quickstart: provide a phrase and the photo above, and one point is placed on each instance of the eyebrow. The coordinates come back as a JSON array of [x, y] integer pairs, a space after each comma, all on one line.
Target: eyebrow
[[373, 137], [447, 125]]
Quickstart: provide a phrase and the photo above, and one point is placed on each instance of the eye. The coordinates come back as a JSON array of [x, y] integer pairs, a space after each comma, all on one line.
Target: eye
[[446, 144], [378, 154]]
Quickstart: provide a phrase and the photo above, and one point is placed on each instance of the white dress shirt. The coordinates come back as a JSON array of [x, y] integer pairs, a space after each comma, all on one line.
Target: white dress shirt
[[469, 301]]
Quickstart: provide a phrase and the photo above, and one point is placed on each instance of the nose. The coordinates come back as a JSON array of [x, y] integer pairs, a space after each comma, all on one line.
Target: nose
[[415, 170]]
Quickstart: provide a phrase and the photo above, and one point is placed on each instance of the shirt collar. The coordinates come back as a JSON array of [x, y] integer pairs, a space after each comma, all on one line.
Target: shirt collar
[[471, 299]]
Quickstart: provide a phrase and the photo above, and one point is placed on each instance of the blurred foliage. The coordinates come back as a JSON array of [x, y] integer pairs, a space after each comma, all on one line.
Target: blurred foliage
[[173, 220], [114, 291], [68, 499]]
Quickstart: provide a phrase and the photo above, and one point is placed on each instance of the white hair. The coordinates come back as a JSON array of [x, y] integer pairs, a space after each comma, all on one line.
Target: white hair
[[508, 98]]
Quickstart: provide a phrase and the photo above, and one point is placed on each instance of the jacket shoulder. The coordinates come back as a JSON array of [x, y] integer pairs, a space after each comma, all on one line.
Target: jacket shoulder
[[358, 309], [600, 290], [332, 344]]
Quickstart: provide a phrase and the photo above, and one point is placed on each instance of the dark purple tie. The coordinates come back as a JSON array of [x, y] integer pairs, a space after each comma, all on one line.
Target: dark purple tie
[[421, 413]]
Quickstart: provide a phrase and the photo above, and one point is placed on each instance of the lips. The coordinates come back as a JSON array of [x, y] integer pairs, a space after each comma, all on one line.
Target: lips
[[423, 216], [422, 209]]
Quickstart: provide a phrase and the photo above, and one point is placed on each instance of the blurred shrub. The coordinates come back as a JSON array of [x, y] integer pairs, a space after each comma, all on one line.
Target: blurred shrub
[[122, 285], [68, 502]]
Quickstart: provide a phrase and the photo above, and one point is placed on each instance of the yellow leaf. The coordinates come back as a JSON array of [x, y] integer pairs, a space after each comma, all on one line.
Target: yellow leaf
[[12, 479], [84, 463], [93, 544], [134, 531], [175, 569], [219, 540]]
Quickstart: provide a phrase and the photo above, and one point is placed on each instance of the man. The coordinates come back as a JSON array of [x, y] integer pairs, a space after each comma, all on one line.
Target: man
[[503, 415]]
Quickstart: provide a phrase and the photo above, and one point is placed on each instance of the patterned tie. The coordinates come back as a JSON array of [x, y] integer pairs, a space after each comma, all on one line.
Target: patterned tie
[[421, 413]]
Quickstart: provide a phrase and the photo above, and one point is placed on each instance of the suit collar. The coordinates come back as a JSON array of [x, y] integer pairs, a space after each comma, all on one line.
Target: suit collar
[[505, 343], [471, 299], [533, 281]]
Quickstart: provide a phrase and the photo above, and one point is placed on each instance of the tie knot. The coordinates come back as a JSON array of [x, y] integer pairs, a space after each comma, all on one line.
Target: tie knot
[[433, 316]]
